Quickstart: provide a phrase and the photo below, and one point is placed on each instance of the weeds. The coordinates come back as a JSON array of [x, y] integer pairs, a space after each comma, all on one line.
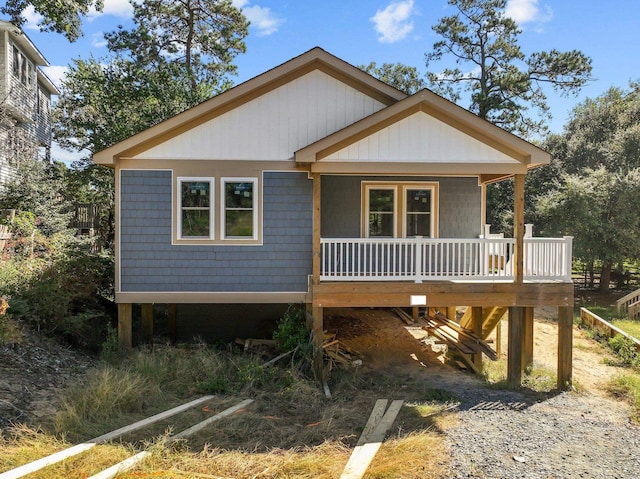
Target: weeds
[[536, 378], [627, 387]]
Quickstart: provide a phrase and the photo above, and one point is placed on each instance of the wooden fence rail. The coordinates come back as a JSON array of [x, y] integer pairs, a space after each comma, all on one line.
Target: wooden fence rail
[[596, 322]]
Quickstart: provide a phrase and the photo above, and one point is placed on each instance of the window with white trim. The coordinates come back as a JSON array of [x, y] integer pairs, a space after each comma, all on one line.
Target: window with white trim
[[390, 214], [381, 207], [195, 207], [239, 208]]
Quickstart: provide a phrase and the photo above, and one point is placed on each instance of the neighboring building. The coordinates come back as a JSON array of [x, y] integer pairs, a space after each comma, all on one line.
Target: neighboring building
[[25, 101], [316, 183]]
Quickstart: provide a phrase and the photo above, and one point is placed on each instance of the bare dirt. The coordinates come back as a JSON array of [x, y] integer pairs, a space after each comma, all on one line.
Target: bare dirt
[[500, 434]]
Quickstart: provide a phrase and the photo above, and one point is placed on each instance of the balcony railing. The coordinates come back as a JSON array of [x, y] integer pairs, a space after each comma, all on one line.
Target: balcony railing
[[419, 259]]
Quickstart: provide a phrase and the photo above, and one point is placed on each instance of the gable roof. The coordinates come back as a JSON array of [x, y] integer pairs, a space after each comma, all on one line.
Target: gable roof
[[314, 59], [508, 147]]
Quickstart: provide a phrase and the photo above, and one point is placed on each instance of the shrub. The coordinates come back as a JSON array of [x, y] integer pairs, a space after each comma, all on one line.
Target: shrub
[[292, 331], [625, 349]]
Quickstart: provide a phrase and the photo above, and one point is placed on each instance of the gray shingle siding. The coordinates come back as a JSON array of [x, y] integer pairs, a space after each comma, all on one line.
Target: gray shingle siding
[[149, 262], [459, 215]]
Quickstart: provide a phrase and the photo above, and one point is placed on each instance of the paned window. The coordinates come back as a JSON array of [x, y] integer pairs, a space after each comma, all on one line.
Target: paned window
[[239, 217], [196, 207], [382, 209], [399, 209]]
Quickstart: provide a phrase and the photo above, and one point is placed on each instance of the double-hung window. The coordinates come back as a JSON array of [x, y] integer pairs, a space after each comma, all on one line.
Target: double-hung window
[[239, 214], [399, 209], [195, 196]]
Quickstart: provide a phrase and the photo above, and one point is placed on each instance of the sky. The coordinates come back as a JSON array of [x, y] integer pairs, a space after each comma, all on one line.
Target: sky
[[390, 31]]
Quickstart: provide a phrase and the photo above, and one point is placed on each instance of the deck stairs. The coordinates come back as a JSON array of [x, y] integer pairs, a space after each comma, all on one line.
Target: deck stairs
[[491, 316], [629, 305]]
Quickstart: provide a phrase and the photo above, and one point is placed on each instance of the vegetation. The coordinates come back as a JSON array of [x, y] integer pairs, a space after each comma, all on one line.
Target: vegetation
[[484, 42], [627, 386], [60, 17], [537, 378], [403, 77]]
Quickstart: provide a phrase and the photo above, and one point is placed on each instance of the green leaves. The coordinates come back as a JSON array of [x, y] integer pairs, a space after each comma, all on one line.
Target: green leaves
[[503, 83], [62, 17]]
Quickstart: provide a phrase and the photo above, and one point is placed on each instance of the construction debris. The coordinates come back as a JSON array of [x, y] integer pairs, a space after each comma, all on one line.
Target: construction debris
[[407, 318], [456, 337], [337, 353]]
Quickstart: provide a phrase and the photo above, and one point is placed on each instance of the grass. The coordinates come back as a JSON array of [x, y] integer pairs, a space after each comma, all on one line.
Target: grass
[[628, 326], [537, 378], [291, 430], [627, 386]]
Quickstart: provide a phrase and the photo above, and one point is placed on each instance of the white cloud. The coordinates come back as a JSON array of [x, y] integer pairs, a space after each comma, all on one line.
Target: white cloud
[[116, 8], [263, 19], [56, 73], [98, 40], [32, 18], [527, 11], [394, 22]]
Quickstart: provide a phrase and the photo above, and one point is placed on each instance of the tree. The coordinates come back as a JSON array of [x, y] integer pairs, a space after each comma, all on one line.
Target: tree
[[602, 211], [64, 17], [201, 36], [502, 80], [598, 199], [398, 75]]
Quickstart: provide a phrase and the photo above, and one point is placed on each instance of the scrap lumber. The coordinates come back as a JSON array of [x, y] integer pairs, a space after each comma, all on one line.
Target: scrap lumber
[[80, 448], [457, 337], [371, 438], [407, 318], [130, 462], [336, 351]]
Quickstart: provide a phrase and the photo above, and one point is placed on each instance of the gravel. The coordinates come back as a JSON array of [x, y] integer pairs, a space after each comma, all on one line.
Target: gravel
[[505, 435]]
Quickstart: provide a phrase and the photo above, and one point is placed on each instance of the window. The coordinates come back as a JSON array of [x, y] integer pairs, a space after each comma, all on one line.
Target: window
[[22, 68], [239, 218], [418, 211], [388, 214], [382, 211], [195, 208]]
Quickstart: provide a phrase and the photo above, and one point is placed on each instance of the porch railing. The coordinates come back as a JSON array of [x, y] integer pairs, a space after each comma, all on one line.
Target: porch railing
[[418, 259]]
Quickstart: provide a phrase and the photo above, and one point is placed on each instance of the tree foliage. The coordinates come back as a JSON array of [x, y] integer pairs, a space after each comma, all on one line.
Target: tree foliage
[[597, 197], [502, 81], [201, 37], [64, 17], [403, 77]]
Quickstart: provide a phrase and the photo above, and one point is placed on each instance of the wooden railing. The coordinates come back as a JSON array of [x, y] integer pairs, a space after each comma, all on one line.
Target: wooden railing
[[629, 305], [596, 322], [417, 259]]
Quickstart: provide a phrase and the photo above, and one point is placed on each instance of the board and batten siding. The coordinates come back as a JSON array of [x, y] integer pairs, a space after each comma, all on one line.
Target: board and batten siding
[[150, 263], [420, 138], [459, 214], [274, 125]]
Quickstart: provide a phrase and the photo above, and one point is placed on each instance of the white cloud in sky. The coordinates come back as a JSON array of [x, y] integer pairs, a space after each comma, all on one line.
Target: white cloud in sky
[[394, 22], [56, 73], [98, 40], [262, 18], [32, 18], [117, 8], [527, 11]]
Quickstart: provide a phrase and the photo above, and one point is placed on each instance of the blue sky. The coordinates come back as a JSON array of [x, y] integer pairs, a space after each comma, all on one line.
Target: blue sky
[[361, 31]]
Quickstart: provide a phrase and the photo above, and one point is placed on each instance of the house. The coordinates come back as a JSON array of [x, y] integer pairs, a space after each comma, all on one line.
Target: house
[[25, 101], [316, 183]]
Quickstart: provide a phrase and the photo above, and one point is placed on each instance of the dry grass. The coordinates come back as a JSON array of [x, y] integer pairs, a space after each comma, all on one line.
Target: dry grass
[[291, 429], [538, 378]]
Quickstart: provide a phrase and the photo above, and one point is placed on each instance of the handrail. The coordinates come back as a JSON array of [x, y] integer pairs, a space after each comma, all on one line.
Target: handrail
[[417, 259], [622, 304]]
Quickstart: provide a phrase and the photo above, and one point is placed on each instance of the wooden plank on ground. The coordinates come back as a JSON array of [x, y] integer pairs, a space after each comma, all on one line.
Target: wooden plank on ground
[[79, 448], [363, 454], [374, 419]]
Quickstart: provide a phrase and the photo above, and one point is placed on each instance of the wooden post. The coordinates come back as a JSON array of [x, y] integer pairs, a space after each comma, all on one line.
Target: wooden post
[[415, 312], [476, 322], [318, 339], [565, 347], [124, 326], [316, 228], [527, 359], [499, 339], [518, 229], [172, 322], [515, 364], [452, 313], [147, 323]]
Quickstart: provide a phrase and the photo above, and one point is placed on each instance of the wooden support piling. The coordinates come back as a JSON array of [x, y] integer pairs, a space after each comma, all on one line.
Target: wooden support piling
[[515, 364], [476, 321], [172, 322], [527, 351], [565, 347], [124, 326]]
